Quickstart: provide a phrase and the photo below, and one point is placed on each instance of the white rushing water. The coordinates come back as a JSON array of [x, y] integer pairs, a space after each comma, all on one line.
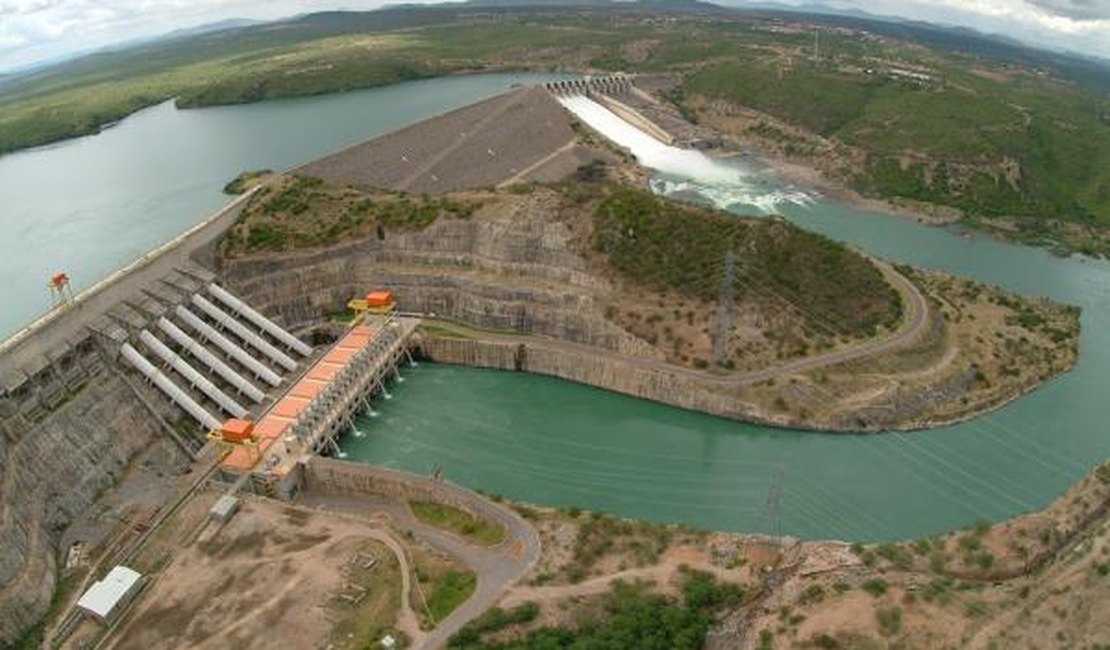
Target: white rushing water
[[689, 172]]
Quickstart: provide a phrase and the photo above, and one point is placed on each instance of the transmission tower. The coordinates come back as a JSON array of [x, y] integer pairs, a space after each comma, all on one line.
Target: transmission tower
[[722, 324]]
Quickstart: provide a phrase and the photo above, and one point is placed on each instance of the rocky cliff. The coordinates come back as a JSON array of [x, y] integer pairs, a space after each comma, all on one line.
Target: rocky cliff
[[511, 268], [51, 471]]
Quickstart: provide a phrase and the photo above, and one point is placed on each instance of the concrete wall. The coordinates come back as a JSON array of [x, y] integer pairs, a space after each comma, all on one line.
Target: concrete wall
[[608, 372], [329, 475], [70, 422]]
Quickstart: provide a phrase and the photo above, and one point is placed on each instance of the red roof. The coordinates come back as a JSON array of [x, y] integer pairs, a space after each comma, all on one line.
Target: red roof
[[323, 371], [271, 427], [290, 407], [307, 388]]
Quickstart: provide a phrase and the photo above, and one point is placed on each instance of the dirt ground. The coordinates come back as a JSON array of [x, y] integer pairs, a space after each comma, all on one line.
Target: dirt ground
[[1038, 581], [272, 577]]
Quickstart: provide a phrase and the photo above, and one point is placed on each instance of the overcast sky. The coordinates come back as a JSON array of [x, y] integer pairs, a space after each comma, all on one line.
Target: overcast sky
[[32, 31]]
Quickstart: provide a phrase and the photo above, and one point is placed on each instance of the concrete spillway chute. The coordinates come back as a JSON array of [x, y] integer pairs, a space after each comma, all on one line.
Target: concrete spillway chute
[[213, 362], [166, 385], [188, 372], [263, 323], [228, 322], [225, 344]]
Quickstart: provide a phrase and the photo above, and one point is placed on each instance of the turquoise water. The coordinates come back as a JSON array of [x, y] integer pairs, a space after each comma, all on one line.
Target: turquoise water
[[91, 205], [545, 440]]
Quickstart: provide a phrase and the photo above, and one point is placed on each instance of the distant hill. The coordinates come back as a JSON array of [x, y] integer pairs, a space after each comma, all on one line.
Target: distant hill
[[657, 5], [208, 28]]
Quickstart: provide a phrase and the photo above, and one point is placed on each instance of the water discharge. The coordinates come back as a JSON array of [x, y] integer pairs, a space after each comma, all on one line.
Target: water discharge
[[543, 440], [90, 204], [689, 172]]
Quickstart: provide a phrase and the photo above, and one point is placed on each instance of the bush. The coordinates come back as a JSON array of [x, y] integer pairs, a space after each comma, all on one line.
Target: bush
[[812, 594], [890, 620], [661, 242], [976, 608], [629, 617], [875, 586], [766, 640], [896, 555]]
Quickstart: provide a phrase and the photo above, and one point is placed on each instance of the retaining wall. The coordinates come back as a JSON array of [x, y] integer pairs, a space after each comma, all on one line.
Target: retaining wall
[[602, 371]]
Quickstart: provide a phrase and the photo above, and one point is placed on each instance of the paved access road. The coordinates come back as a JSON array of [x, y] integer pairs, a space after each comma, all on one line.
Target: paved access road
[[496, 567], [915, 319]]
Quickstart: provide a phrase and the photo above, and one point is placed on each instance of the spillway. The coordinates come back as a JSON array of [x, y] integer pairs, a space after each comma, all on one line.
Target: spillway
[[725, 184]]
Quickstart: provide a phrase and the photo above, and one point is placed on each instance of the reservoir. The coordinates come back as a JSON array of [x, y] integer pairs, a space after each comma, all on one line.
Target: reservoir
[[91, 205]]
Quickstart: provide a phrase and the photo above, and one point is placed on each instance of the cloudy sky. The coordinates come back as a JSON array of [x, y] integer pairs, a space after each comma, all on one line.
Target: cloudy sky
[[33, 31]]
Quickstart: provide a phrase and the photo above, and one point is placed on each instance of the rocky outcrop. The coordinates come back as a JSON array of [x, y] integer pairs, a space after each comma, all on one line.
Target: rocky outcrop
[[53, 471], [514, 271]]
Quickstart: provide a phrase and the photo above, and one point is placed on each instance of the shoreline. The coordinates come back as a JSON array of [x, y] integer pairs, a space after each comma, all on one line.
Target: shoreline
[[490, 353]]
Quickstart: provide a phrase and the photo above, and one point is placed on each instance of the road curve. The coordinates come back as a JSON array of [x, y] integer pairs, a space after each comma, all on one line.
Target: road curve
[[496, 567], [915, 318]]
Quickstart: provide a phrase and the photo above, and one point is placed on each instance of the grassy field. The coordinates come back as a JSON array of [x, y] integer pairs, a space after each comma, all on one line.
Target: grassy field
[[443, 583], [992, 129], [457, 521]]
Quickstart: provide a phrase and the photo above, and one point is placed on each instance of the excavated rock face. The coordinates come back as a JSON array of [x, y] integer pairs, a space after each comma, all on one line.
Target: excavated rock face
[[51, 473], [510, 267]]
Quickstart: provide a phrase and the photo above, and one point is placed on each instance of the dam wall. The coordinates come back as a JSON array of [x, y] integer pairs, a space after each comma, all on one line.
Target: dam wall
[[328, 475], [71, 421]]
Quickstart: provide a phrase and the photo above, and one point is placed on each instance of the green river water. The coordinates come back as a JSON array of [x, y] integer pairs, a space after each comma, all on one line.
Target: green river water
[[544, 440]]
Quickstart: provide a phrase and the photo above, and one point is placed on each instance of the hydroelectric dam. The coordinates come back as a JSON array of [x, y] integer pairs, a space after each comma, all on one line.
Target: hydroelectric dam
[[239, 362], [177, 346]]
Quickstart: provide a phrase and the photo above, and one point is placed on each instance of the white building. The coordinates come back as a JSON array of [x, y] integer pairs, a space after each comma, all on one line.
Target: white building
[[107, 597]]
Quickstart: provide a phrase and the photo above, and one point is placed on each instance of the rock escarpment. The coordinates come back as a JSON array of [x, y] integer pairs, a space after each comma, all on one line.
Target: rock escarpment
[[512, 268], [52, 470]]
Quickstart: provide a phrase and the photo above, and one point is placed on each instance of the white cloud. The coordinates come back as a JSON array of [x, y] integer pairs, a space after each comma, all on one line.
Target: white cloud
[[1078, 25], [37, 30]]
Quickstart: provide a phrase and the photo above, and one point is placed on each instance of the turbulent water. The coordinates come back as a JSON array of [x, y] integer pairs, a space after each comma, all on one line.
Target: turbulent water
[[729, 185], [539, 439]]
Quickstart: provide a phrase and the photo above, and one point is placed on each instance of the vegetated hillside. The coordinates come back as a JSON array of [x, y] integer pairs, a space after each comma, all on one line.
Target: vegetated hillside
[[1041, 580], [684, 248], [992, 129], [992, 143], [297, 212]]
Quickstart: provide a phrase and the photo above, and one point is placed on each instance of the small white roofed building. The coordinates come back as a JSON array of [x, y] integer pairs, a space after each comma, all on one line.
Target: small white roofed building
[[107, 597]]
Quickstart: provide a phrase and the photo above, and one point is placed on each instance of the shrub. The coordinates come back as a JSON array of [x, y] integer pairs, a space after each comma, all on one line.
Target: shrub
[[875, 586], [890, 620], [812, 594]]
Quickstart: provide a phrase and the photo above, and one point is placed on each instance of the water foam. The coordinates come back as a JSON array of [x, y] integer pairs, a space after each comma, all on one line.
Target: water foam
[[688, 172]]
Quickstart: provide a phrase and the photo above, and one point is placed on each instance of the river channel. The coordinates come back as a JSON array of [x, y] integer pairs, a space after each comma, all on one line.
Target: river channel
[[91, 205]]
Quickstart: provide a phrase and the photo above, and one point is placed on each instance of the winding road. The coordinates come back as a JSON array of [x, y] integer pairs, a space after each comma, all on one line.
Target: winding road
[[496, 567], [915, 319]]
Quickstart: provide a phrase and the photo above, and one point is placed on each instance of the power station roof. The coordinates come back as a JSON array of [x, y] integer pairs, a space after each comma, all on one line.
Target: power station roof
[[105, 595]]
